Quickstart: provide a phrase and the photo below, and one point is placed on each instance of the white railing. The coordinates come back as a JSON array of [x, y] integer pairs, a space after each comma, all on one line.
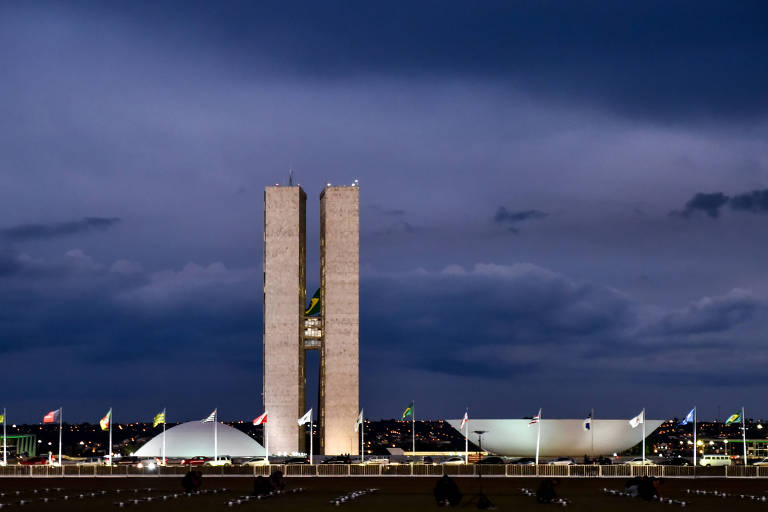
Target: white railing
[[394, 470]]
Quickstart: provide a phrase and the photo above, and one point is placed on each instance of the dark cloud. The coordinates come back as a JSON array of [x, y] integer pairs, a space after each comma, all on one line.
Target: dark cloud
[[755, 201], [510, 219], [710, 315], [708, 203], [26, 232]]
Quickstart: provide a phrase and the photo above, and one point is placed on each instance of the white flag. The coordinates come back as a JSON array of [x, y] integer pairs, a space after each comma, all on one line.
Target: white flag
[[464, 420], [637, 420], [307, 418], [359, 421], [211, 417]]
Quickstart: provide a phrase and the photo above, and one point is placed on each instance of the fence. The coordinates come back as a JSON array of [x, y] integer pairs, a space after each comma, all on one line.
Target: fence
[[393, 470]]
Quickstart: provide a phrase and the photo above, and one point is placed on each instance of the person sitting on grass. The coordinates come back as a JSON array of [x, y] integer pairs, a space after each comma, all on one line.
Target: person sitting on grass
[[447, 493], [546, 492]]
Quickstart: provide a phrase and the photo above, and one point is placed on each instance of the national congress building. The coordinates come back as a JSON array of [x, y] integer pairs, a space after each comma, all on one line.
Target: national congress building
[[330, 324]]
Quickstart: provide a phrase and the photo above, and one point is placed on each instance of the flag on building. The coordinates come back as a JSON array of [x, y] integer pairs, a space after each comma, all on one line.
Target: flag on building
[[359, 421], [2, 418], [159, 418], [688, 417], [104, 422], [314, 308], [535, 419], [261, 419], [408, 412], [588, 422], [733, 418], [211, 417], [307, 418], [52, 417], [637, 420], [464, 420]]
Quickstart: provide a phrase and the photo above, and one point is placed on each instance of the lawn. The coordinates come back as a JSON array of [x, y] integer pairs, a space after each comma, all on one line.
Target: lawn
[[393, 494]]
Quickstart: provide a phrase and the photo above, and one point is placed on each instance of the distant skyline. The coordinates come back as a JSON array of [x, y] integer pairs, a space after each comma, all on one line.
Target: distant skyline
[[563, 204]]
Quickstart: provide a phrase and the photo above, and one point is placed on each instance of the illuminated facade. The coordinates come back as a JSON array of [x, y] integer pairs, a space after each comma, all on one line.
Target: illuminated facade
[[330, 324]]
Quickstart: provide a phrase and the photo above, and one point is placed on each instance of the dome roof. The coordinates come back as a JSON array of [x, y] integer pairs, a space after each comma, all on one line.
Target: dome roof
[[196, 438]]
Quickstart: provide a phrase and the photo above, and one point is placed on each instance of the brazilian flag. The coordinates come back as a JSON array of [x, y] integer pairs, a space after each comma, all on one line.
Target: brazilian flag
[[314, 305], [408, 412], [733, 418]]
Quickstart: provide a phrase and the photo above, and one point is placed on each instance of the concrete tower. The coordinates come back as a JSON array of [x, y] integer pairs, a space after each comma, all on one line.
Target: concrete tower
[[339, 284], [289, 330], [284, 298]]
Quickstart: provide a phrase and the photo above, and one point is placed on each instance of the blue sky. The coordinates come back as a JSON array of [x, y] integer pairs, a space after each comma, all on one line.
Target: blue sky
[[563, 203]]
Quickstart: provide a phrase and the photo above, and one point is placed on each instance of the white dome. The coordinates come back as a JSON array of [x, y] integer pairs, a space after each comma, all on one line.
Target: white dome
[[196, 438]]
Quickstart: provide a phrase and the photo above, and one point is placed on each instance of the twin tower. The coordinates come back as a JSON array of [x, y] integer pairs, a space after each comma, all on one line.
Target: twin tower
[[330, 324]]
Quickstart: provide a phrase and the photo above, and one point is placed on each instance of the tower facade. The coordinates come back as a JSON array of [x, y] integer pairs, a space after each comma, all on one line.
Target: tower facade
[[284, 297], [330, 324], [340, 300]]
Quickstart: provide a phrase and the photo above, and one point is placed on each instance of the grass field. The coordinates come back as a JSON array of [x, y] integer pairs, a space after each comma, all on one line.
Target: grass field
[[393, 495]]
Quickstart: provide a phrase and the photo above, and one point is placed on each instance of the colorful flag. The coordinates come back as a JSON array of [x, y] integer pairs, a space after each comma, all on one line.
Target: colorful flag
[[2, 418], [688, 417], [408, 412], [52, 417], [637, 420], [535, 419], [104, 422], [261, 419], [464, 420], [359, 421], [314, 305], [733, 418], [307, 418], [588, 422], [159, 418], [211, 417]]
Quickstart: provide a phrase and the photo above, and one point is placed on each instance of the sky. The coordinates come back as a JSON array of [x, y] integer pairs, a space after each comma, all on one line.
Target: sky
[[564, 205]]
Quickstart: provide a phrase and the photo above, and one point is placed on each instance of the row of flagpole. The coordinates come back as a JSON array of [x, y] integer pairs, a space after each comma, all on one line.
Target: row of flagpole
[[106, 424]]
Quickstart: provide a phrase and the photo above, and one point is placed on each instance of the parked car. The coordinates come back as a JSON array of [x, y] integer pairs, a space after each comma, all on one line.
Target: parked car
[[296, 460], [255, 461], [714, 460], [602, 461], [150, 464], [492, 460], [34, 461], [674, 461], [126, 461], [376, 460], [761, 462], [195, 461], [453, 461], [219, 461], [639, 461], [340, 459], [561, 461]]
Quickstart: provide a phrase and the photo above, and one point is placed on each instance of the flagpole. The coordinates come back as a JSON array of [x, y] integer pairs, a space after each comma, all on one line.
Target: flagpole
[[538, 438], [466, 440], [266, 439], [744, 434], [163, 436], [61, 416], [215, 435], [5, 436], [592, 430], [362, 440], [310, 438], [694, 439], [413, 428], [643, 436], [110, 436]]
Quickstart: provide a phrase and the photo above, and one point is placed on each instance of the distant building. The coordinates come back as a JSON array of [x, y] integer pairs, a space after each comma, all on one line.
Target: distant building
[[329, 324]]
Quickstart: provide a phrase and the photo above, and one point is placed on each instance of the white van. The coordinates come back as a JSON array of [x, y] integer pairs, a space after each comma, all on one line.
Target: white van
[[715, 460]]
